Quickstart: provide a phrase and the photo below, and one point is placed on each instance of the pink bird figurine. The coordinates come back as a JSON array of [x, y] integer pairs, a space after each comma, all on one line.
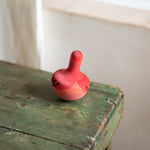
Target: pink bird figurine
[[70, 84]]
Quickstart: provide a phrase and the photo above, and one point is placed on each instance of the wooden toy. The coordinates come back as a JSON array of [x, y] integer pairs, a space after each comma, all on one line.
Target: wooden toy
[[70, 84]]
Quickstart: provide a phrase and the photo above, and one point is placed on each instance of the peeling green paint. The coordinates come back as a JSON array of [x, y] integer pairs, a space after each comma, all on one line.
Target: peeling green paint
[[29, 106]]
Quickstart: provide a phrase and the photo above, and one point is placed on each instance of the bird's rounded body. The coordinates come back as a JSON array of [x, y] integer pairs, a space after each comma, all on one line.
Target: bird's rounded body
[[71, 84]]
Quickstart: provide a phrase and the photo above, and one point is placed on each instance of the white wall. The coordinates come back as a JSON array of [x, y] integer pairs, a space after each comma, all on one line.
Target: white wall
[[114, 54], [140, 4]]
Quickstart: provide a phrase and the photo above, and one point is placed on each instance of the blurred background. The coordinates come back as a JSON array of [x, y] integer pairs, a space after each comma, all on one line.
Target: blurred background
[[114, 37]]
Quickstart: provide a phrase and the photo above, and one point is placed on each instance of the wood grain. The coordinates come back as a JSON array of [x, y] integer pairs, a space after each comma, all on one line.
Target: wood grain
[[28, 105], [13, 140]]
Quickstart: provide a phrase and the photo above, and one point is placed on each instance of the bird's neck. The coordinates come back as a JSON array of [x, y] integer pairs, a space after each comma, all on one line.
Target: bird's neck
[[74, 66]]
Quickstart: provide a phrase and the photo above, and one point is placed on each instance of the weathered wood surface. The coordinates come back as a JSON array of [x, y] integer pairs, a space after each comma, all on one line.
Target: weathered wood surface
[[13, 140], [29, 106], [109, 129], [108, 146]]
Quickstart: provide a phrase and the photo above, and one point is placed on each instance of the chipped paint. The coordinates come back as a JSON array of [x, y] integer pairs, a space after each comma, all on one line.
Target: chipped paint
[[70, 110], [83, 121], [91, 138], [10, 132]]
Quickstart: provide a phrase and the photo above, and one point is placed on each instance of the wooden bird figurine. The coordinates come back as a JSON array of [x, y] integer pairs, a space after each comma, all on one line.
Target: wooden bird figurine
[[70, 84]]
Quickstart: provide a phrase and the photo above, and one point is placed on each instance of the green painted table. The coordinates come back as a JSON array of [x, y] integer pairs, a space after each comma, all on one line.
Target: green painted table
[[32, 117]]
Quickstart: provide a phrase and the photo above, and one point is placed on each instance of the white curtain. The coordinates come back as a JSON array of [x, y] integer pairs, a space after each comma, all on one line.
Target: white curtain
[[20, 39]]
